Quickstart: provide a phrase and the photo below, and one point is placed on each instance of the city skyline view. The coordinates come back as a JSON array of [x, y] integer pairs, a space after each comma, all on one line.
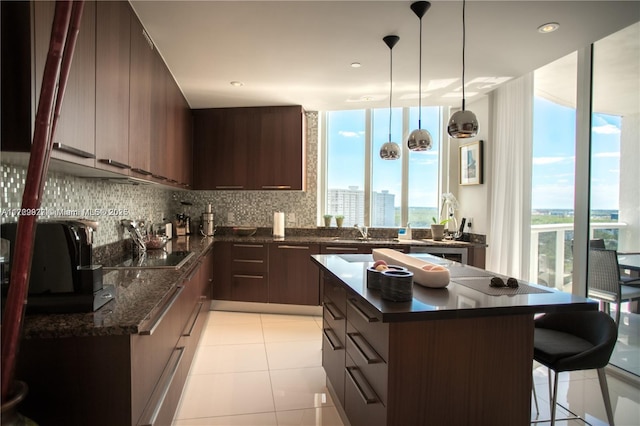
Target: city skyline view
[[553, 162]]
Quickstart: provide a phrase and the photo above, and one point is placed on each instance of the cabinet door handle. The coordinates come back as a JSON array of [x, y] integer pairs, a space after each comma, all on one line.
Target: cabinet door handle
[[158, 177], [229, 186], [255, 277], [249, 245], [71, 150], [248, 261], [361, 311], [330, 309], [195, 314], [164, 312], [368, 354], [294, 247], [328, 334], [114, 163], [342, 248], [151, 412], [276, 186], [141, 171], [363, 388]]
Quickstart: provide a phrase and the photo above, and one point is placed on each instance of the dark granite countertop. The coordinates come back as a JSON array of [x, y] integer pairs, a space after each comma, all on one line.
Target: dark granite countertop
[[390, 242], [140, 295], [467, 295]]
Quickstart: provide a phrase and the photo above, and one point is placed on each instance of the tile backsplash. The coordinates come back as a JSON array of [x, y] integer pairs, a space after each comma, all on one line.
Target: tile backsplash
[[69, 197]]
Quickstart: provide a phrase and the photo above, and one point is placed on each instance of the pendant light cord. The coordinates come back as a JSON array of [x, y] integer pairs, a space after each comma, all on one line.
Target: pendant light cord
[[420, 81], [463, 46], [390, 87]]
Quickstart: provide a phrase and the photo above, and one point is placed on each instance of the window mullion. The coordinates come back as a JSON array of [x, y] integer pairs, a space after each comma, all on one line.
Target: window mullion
[[368, 167], [404, 196]]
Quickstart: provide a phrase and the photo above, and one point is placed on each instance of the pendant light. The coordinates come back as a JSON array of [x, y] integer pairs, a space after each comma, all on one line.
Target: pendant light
[[390, 150], [463, 124], [420, 139]]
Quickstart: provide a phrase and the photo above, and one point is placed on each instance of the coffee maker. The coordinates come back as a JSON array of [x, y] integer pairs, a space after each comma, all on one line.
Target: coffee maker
[[63, 277]]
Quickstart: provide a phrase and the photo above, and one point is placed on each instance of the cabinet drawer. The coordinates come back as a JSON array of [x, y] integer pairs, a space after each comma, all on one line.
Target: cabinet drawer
[[335, 320], [372, 366], [248, 267], [333, 361], [335, 292], [366, 323], [249, 288], [249, 251], [362, 405]]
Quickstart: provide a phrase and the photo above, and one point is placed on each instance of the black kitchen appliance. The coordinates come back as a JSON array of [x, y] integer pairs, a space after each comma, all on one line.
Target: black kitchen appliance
[[63, 277]]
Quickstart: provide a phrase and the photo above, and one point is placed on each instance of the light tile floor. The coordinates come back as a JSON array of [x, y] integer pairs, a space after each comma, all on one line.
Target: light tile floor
[[264, 369], [258, 370]]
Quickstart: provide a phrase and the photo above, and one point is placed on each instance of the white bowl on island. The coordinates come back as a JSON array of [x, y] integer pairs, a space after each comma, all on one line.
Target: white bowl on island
[[425, 273]]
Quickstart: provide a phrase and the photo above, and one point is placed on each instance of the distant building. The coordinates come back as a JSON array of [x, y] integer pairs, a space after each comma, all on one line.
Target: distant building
[[350, 203]]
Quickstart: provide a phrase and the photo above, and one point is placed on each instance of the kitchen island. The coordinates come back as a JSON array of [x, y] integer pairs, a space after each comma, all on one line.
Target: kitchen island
[[455, 355]]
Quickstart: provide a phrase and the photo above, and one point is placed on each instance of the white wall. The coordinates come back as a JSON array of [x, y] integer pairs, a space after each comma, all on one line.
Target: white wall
[[473, 199]]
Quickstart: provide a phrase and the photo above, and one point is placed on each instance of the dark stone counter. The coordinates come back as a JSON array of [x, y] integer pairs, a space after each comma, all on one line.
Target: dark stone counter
[[140, 295], [468, 294]]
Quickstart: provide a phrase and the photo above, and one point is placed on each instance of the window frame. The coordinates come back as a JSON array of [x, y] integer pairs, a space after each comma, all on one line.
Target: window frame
[[443, 159]]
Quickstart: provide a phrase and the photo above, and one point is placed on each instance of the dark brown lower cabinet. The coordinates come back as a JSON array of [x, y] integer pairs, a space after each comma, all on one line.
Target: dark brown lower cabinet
[[118, 379], [293, 278]]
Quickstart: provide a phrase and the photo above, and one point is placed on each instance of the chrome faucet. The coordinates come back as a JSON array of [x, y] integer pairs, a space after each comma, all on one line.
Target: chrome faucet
[[363, 231]]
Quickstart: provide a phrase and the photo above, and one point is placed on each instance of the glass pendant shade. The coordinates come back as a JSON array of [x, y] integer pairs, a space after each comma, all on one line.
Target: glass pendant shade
[[390, 151], [463, 124], [419, 140]]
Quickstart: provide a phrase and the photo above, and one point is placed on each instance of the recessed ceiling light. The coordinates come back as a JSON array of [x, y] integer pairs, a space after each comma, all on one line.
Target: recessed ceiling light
[[356, 64], [237, 83], [548, 27]]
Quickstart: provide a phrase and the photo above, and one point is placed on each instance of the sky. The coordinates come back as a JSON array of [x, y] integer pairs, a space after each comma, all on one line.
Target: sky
[[553, 156]]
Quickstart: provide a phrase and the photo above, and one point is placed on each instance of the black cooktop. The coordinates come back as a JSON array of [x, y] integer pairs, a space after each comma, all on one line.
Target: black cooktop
[[157, 259]]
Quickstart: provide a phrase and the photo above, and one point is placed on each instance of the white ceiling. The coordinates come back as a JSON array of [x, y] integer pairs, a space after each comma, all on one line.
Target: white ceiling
[[299, 52]]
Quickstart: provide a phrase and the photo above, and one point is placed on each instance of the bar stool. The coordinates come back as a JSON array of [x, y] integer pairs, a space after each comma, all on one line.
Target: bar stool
[[571, 341]]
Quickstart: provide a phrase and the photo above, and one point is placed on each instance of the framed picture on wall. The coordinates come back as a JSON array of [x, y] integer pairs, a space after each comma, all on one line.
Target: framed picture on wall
[[471, 163]]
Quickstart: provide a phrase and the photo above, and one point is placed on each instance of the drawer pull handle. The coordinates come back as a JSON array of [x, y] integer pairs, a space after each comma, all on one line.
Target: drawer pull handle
[[71, 150], [195, 314], [342, 248], [114, 163], [248, 261], [276, 186], [331, 336], [249, 245], [365, 391], [164, 390], [329, 307], [294, 247], [229, 186], [361, 312], [141, 171], [256, 277], [363, 348], [164, 312]]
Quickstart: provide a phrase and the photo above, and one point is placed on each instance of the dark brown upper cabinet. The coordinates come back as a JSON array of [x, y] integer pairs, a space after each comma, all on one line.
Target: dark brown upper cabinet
[[113, 49], [253, 148], [26, 30]]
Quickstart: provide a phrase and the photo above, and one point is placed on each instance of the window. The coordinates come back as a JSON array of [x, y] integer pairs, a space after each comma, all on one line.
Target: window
[[374, 192]]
